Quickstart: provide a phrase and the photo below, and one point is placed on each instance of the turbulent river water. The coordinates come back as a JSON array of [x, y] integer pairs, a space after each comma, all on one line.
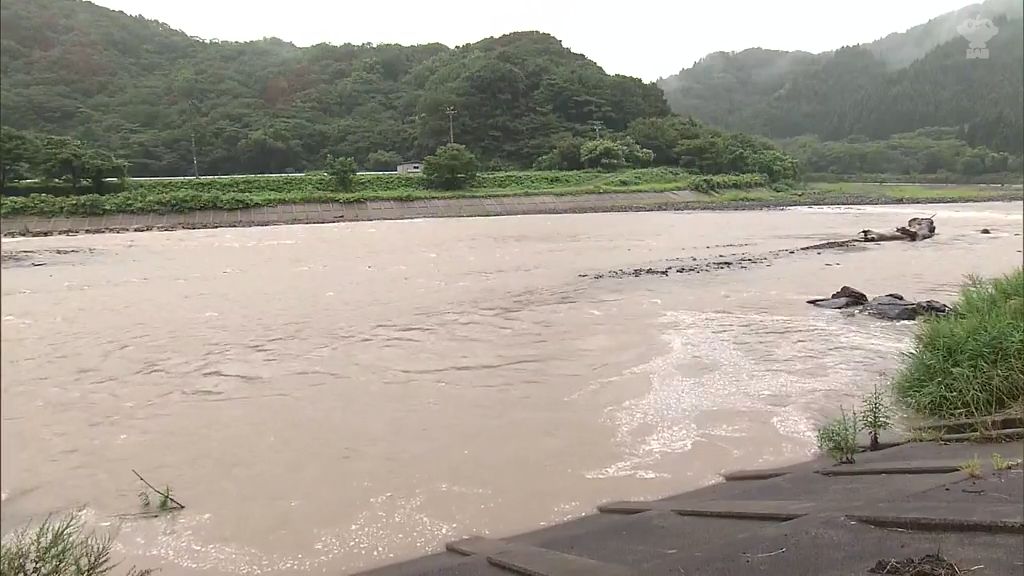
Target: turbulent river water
[[336, 397]]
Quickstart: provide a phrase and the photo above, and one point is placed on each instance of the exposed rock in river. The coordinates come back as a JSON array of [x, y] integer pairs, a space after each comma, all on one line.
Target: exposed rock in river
[[891, 306], [845, 297]]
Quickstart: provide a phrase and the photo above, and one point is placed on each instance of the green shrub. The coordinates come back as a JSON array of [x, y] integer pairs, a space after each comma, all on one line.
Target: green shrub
[[342, 172], [602, 154], [838, 438], [875, 416], [564, 156], [969, 363], [59, 548], [452, 167]]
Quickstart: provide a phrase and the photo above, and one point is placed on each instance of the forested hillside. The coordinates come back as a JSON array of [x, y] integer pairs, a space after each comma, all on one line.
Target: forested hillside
[[904, 82], [140, 90]]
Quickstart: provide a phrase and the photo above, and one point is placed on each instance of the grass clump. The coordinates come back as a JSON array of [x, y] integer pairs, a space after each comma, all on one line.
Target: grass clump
[[1000, 463], [972, 467], [838, 438], [60, 547], [969, 363]]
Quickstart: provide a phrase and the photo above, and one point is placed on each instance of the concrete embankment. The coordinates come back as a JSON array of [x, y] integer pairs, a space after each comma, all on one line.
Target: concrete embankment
[[327, 212], [897, 510]]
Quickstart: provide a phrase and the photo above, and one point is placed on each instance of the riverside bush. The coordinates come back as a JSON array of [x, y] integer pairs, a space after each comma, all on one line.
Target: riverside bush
[[452, 167], [57, 548], [728, 181], [969, 363]]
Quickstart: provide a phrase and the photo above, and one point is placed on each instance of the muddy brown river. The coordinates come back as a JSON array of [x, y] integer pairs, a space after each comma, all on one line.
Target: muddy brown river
[[329, 398]]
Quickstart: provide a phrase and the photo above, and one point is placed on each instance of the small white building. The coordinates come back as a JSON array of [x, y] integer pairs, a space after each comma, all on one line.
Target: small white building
[[413, 167]]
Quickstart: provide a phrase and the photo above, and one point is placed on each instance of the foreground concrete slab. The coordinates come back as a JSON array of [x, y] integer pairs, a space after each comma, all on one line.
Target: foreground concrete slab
[[834, 546], [751, 509], [534, 561], [910, 467], [959, 517], [893, 504]]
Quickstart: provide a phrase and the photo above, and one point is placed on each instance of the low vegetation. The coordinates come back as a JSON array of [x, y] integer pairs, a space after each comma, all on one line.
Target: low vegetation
[[838, 438], [972, 467], [59, 547], [969, 363], [164, 196], [875, 416], [1000, 463]]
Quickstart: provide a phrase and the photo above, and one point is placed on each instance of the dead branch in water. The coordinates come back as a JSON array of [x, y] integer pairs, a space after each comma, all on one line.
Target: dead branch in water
[[916, 229], [165, 495]]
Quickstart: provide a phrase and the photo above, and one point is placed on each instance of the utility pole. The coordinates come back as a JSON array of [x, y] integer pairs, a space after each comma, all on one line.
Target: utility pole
[[192, 131], [451, 112], [597, 125]]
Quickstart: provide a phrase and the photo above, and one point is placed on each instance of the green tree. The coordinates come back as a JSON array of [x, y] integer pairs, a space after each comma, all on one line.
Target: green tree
[[602, 153], [382, 161], [662, 135], [342, 172], [98, 165], [634, 155], [19, 151], [564, 156], [63, 158], [452, 167]]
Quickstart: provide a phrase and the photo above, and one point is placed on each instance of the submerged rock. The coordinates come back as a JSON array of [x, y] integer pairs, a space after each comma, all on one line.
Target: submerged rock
[[892, 306], [845, 297], [933, 307]]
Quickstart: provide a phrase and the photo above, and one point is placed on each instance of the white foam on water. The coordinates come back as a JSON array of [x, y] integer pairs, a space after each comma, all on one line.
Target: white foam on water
[[943, 211], [386, 523], [721, 362]]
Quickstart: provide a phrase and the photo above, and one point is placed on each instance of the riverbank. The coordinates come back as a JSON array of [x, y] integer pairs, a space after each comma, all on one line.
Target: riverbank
[[511, 205], [895, 509]]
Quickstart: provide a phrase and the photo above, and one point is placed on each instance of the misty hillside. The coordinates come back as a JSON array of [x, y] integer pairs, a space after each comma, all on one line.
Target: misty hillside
[[905, 81], [138, 88]]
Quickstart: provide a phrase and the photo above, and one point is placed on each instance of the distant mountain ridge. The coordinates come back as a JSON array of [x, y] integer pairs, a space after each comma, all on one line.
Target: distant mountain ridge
[[905, 81], [140, 89]]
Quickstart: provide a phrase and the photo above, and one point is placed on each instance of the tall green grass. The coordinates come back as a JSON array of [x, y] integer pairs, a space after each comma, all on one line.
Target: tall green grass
[[971, 362], [60, 547]]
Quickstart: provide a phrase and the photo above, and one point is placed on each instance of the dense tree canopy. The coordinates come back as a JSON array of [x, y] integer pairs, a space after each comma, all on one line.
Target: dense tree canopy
[[143, 90], [58, 158], [922, 152], [82, 87], [898, 84]]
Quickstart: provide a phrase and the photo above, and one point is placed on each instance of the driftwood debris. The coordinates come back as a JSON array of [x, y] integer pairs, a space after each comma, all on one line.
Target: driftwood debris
[[915, 230]]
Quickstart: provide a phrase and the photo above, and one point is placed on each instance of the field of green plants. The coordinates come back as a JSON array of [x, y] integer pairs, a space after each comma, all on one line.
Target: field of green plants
[[162, 196]]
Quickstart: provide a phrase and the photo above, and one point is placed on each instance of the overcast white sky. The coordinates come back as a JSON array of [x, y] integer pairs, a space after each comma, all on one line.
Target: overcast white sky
[[645, 39]]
